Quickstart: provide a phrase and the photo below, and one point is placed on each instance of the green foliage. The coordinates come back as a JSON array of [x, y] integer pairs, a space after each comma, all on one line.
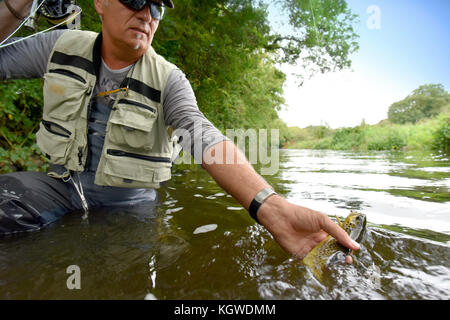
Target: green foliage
[[311, 137], [218, 44], [427, 135], [22, 158], [347, 138], [20, 113], [425, 102], [441, 136], [321, 132], [284, 131], [384, 138], [324, 33]]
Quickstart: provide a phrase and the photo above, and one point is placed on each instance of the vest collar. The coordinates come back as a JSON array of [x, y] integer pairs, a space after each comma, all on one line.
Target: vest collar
[[97, 54]]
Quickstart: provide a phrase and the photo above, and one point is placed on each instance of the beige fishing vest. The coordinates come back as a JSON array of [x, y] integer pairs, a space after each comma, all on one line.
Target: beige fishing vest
[[137, 150]]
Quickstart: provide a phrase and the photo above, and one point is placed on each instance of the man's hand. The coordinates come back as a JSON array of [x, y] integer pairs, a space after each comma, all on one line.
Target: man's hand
[[8, 21], [298, 229]]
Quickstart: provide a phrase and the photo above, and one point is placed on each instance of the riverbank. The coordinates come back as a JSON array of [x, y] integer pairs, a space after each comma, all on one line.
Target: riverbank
[[426, 135]]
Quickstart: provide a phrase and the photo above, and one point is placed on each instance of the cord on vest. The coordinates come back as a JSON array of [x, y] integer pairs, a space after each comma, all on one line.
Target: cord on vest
[[107, 93], [79, 188]]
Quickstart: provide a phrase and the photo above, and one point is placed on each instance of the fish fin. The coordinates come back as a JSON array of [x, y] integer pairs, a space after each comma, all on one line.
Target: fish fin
[[339, 221]]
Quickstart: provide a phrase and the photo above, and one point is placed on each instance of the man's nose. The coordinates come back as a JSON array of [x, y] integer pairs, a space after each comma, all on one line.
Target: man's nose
[[144, 14]]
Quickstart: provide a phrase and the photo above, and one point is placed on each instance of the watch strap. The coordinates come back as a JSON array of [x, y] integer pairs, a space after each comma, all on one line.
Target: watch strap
[[258, 201]]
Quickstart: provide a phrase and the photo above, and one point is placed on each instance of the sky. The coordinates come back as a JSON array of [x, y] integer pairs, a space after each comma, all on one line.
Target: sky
[[403, 44]]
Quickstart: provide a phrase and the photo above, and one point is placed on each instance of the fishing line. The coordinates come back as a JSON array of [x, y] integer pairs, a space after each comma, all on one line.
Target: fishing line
[[70, 18], [314, 21], [20, 26]]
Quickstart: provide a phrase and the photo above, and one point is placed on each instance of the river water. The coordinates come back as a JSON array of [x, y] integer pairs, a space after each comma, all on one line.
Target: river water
[[198, 243]]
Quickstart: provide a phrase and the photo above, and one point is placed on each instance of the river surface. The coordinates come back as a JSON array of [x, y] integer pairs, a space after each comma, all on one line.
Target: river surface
[[199, 243]]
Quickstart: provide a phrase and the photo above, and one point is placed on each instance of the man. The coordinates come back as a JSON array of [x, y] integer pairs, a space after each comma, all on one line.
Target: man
[[107, 102]]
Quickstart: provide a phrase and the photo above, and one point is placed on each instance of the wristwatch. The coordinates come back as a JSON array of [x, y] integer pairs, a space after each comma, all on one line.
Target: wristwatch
[[258, 201]]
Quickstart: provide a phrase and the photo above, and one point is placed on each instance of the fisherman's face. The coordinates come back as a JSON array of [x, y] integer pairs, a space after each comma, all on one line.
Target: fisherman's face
[[126, 27]]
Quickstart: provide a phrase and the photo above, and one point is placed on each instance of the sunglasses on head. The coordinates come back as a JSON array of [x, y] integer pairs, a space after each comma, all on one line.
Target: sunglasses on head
[[156, 9]]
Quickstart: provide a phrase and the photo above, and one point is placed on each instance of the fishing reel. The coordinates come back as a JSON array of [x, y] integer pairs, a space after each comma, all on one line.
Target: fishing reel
[[64, 14]]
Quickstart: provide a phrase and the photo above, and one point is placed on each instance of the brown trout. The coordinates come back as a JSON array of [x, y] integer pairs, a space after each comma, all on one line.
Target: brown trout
[[326, 250]]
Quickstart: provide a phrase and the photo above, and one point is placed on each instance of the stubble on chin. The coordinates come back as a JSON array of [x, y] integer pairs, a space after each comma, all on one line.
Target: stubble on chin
[[138, 44]]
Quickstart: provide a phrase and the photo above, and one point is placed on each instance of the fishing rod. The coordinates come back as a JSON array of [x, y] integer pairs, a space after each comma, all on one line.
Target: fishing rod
[[60, 13]]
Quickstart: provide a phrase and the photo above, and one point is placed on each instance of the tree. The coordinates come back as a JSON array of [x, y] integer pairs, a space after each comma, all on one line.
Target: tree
[[218, 43], [425, 102], [324, 37]]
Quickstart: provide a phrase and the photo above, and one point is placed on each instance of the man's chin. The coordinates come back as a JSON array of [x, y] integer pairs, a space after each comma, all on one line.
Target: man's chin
[[140, 46]]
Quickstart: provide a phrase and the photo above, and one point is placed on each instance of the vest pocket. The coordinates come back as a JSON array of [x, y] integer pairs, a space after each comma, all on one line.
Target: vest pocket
[[130, 170], [54, 141], [65, 94], [131, 125]]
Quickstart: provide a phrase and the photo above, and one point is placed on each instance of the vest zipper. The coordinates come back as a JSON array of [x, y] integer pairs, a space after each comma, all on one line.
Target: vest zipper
[[80, 156], [48, 125], [120, 153], [137, 104], [68, 73], [88, 115]]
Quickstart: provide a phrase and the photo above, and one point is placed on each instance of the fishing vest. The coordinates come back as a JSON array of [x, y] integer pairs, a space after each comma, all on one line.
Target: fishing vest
[[137, 149]]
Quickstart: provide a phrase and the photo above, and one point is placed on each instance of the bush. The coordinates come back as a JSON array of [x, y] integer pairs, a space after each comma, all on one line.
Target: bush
[[385, 138], [426, 135], [20, 113], [324, 143], [441, 137], [348, 139]]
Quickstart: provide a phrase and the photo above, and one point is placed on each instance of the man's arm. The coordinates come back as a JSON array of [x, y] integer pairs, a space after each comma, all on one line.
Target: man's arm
[[9, 22], [28, 59], [296, 229], [181, 112]]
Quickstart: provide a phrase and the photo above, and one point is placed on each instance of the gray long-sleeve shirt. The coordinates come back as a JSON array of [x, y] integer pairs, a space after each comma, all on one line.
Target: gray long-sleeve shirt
[[28, 59]]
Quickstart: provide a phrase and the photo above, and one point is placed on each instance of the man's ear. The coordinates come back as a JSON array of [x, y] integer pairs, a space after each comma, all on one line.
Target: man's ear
[[99, 6]]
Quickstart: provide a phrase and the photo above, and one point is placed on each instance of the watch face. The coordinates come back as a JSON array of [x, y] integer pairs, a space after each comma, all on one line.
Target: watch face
[[263, 194]]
